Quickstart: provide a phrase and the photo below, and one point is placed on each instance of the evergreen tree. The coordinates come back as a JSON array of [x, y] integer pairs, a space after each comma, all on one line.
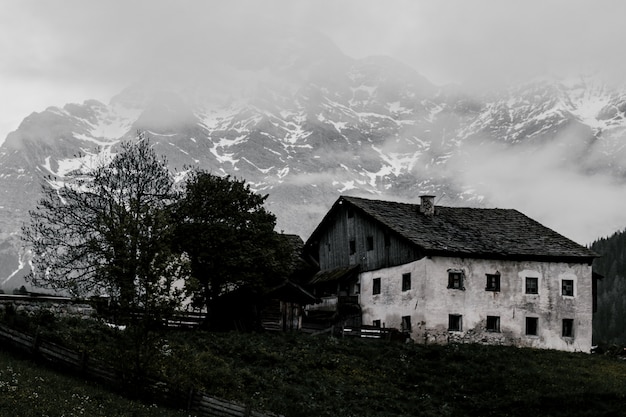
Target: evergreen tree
[[609, 325]]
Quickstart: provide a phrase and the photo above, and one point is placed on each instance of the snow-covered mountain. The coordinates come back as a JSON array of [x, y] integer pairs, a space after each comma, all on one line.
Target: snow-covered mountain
[[305, 123]]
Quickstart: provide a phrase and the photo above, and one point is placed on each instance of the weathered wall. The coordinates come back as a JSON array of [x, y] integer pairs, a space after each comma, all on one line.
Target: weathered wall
[[429, 302]]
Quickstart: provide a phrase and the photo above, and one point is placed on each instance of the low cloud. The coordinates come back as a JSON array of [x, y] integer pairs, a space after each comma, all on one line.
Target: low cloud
[[549, 184]]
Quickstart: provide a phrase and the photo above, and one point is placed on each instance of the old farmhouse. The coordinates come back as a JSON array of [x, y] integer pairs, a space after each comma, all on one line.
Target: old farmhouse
[[443, 274]]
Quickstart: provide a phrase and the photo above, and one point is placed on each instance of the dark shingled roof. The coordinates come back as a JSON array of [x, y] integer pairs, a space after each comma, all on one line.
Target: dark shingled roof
[[472, 232]]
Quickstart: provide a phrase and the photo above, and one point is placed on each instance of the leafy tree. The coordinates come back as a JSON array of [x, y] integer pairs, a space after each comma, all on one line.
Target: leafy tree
[[108, 230], [229, 238]]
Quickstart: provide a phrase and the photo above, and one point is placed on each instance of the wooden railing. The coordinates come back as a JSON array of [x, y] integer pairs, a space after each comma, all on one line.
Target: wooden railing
[[368, 332]]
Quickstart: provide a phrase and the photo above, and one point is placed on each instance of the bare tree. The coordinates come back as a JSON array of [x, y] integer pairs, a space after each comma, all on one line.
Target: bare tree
[[108, 230]]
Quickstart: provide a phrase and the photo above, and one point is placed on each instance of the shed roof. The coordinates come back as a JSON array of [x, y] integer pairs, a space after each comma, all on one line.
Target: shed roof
[[468, 232]]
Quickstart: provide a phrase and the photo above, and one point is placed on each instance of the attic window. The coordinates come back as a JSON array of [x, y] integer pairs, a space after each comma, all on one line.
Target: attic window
[[350, 213], [455, 279], [370, 243], [352, 247], [493, 282]]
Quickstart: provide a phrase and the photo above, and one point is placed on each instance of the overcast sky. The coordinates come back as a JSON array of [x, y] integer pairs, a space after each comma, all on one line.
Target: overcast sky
[[54, 52]]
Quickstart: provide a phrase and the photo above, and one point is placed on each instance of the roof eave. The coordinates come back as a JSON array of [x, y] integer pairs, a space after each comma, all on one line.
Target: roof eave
[[577, 259]]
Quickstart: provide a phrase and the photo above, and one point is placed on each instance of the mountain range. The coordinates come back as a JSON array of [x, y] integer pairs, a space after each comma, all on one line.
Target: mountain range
[[304, 123]]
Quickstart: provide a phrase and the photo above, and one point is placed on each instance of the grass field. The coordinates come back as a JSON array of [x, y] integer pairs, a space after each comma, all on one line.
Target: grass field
[[299, 375], [304, 376], [29, 390]]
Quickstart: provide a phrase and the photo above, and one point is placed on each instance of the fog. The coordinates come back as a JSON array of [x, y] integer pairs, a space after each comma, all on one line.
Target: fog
[[57, 53], [54, 53], [558, 184]]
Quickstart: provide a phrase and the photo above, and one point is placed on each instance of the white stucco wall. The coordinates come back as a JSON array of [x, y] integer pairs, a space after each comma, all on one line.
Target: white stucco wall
[[429, 302]]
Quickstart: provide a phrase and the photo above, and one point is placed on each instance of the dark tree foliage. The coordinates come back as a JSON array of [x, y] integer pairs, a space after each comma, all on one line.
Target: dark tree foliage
[[609, 324], [229, 238], [108, 230]]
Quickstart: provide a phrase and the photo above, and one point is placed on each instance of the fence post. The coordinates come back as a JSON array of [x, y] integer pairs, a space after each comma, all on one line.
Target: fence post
[[36, 343], [83, 362], [190, 395]]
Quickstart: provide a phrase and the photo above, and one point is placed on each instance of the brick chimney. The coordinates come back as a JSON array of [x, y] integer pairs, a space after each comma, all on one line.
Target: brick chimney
[[427, 205]]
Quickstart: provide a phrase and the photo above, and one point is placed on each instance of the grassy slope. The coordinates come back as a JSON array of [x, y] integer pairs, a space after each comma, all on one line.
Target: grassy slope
[[301, 375], [29, 390]]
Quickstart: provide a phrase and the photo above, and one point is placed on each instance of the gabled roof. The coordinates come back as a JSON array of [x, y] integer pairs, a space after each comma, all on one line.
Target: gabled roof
[[467, 232]]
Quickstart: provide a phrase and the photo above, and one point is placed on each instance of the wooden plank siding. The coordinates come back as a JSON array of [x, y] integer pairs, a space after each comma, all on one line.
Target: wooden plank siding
[[388, 248]]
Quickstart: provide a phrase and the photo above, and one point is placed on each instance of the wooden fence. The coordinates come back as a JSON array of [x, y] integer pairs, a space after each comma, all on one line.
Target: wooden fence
[[196, 402], [370, 332]]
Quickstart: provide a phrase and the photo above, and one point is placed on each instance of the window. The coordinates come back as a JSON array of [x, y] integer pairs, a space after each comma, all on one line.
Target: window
[[376, 286], [493, 324], [455, 279], [532, 285], [406, 282], [376, 323], [406, 324], [350, 213], [568, 327], [352, 247], [370, 243], [455, 322], [531, 326], [567, 287], [493, 282]]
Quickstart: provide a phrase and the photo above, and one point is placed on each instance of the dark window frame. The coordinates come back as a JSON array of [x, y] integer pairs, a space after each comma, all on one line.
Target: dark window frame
[[568, 328], [456, 279], [405, 325], [531, 289], [406, 281], [376, 286], [376, 323], [532, 326], [352, 244], [493, 282], [493, 324], [567, 287], [455, 322], [370, 243]]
